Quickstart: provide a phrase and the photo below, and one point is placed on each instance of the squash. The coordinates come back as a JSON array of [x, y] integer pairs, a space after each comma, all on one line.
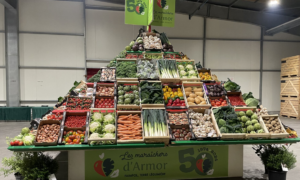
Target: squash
[[188, 89], [188, 93], [190, 99], [192, 95], [199, 94], [191, 103]]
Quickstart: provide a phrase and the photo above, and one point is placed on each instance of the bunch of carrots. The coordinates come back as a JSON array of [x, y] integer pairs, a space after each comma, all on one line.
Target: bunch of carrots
[[129, 127]]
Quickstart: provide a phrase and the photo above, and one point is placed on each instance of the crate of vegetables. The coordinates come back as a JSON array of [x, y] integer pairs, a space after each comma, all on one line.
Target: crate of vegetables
[[73, 136], [48, 133], [76, 119], [203, 124], [187, 70], [194, 95], [134, 55], [151, 94], [167, 71], [229, 124], [129, 127], [104, 102], [218, 101], [236, 99], [172, 55], [105, 89], [54, 116], [173, 96], [146, 70], [205, 75], [102, 126], [177, 116], [108, 75], [251, 124], [153, 55], [128, 95], [274, 126], [126, 70], [158, 133], [214, 89], [86, 90], [79, 103]]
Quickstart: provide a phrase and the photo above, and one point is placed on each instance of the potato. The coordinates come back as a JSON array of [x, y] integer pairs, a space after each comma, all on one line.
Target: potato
[[191, 103], [188, 93], [190, 99], [198, 90], [192, 95], [202, 99], [203, 102], [188, 89], [199, 94], [197, 100]]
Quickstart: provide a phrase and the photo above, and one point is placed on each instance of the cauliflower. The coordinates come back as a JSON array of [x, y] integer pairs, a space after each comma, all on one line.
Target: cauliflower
[[94, 125], [221, 123], [28, 139], [97, 117], [190, 67], [182, 73], [94, 135], [192, 72], [109, 135], [109, 128], [180, 67], [249, 113], [109, 119]]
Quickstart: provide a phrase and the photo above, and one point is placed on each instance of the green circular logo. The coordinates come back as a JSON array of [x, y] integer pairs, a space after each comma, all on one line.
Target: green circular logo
[[140, 9]]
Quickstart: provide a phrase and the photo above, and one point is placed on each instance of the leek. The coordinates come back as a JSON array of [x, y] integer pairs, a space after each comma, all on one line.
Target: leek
[[154, 122], [167, 68]]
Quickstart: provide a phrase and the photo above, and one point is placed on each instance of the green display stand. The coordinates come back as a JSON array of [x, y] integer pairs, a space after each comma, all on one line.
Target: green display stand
[[15, 113], [37, 112]]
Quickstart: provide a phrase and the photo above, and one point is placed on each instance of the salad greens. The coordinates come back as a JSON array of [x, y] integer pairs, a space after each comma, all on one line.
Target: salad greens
[[231, 86], [151, 93]]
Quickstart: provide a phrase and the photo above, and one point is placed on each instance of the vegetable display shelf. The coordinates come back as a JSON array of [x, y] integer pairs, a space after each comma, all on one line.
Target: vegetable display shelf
[[143, 145]]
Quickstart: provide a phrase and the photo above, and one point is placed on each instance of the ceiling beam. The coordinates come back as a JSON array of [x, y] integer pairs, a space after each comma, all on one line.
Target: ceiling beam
[[191, 15], [8, 6], [284, 27], [233, 3]]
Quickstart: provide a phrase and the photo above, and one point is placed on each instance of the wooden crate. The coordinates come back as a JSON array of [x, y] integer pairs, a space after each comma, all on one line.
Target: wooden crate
[[204, 70], [238, 93], [189, 79], [265, 135], [50, 122], [277, 135], [195, 84], [290, 86], [126, 79], [151, 106], [158, 139], [290, 66], [133, 140], [168, 80], [289, 106], [126, 106]]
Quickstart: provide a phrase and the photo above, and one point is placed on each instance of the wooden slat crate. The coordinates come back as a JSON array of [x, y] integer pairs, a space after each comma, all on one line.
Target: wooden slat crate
[[290, 86], [290, 66], [275, 135], [289, 106]]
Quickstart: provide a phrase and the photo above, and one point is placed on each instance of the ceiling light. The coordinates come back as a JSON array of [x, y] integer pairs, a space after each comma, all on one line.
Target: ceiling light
[[273, 2]]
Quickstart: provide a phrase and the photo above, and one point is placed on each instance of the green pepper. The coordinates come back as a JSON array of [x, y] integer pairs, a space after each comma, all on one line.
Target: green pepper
[[166, 101], [181, 98], [64, 142], [176, 97], [81, 140]]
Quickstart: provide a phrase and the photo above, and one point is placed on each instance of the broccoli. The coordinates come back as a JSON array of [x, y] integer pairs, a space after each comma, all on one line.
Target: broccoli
[[223, 130], [221, 123], [95, 78]]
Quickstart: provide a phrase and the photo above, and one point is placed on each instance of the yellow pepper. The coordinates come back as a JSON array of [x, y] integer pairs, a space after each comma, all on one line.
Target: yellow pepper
[[175, 93], [165, 97], [180, 94], [170, 89], [172, 96], [178, 89], [164, 89], [67, 138]]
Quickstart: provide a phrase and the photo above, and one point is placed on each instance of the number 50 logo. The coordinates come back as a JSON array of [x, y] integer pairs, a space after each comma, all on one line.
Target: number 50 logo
[[202, 164], [138, 7]]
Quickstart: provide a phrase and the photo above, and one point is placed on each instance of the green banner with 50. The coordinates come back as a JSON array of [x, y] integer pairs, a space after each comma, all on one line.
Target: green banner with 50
[[157, 163]]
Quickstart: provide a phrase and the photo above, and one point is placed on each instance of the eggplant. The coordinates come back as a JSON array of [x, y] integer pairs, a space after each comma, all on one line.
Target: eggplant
[[141, 45], [165, 46], [170, 47], [211, 94], [135, 48], [222, 93]]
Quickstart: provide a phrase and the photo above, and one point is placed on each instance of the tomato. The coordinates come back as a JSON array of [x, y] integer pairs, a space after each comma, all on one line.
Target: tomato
[[16, 143], [81, 135], [20, 143], [12, 143], [218, 103], [69, 140], [74, 140], [77, 141], [213, 103], [71, 143], [77, 137], [65, 133], [72, 137]]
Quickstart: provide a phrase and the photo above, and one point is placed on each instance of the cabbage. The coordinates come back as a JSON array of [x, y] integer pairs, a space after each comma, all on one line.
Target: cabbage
[[94, 125], [257, 126], [254, 116], [109, 128], [250, 128], [28, 139], [221, 123], [109, 119], [190, 67], [25, 130], [192, 72], [97, 116], [261, 131], [252, 102]]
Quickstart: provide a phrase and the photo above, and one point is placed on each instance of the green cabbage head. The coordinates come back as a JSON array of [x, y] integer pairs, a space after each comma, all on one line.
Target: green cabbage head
[[28, 139]]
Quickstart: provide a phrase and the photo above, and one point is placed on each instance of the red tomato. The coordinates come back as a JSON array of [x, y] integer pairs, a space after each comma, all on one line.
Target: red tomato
[[20, 143], [12, 143], [218, 103], [16, 143], [213, 103]]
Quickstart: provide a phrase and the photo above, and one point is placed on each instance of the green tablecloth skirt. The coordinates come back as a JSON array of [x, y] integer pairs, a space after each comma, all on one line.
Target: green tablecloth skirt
[[15, 113], [37, 112]]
